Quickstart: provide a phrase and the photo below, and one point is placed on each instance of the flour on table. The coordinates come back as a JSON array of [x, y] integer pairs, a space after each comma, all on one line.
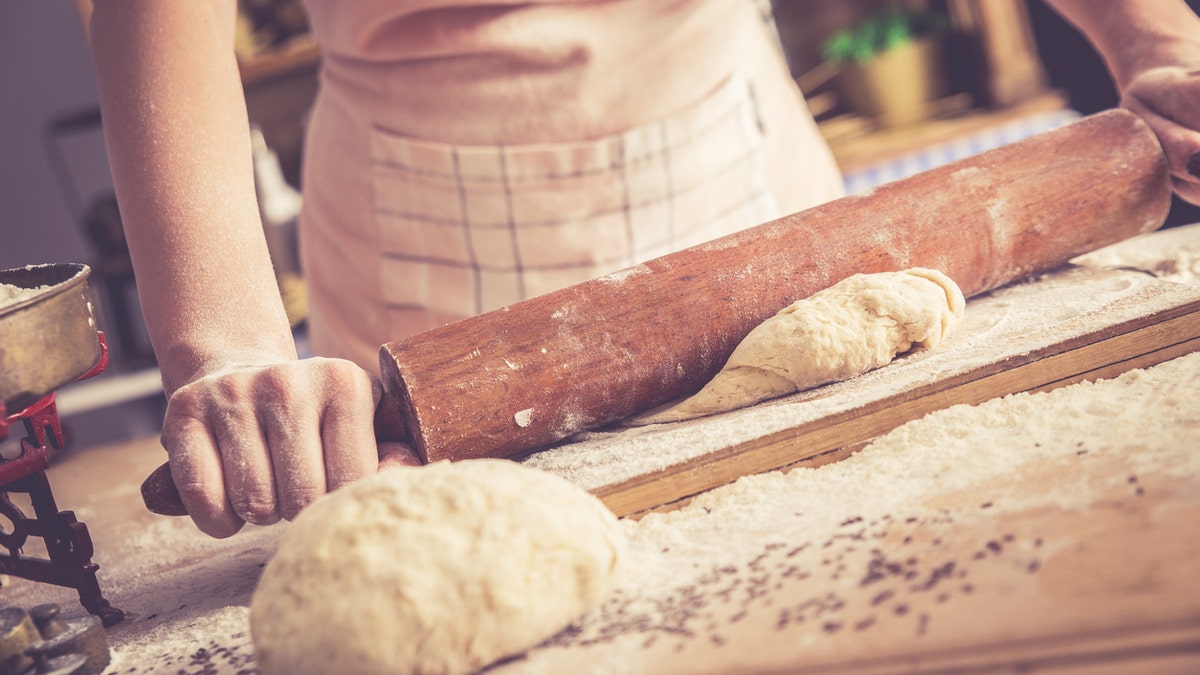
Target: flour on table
[[443, 568], [1172, 255], [778, 561], [854, 326]]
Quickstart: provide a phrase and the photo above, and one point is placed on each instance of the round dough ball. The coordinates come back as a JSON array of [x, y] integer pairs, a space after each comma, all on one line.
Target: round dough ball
[[443, 568]]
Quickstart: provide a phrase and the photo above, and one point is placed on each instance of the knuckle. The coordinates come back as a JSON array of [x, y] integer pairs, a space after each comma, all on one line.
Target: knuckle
[[346, 376], [186, 407], [217, 397], [230, 387], [275, 383], [177, 429], [340, 367]]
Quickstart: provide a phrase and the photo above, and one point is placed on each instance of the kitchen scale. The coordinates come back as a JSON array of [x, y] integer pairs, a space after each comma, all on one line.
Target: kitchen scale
[[48, 339]]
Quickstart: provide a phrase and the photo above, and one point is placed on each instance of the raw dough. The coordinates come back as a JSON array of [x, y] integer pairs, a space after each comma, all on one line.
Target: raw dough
[[856, 325], [443, 568]]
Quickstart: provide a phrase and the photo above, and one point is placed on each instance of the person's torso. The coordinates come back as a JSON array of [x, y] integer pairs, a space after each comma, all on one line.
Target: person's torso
[[462, 156], [550, 71]]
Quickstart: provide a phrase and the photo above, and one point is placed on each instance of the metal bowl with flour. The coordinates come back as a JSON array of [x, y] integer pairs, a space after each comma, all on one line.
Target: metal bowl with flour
[[48, 333]]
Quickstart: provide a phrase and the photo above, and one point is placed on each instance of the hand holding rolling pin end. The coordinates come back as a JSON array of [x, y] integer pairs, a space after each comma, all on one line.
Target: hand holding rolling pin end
[[450, 169], [1152, 50]]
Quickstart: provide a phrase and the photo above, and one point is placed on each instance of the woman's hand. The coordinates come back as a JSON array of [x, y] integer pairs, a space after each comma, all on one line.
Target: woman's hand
[[1169, 100], [1152, 50], [257, 444]]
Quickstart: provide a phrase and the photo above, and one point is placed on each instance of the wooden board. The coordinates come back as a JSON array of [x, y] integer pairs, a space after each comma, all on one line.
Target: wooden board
[[1064, 552], [1079, 559], [1074, 324]]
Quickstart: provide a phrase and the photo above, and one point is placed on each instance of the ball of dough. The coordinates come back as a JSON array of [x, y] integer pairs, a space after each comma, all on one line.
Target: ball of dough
[[443, 568], [854, 326]]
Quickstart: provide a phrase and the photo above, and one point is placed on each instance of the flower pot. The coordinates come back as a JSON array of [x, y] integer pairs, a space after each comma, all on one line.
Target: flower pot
[[896, 87]]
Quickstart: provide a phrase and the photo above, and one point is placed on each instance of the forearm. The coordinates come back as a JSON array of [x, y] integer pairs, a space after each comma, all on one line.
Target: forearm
[[1134, 36], [178, 140]]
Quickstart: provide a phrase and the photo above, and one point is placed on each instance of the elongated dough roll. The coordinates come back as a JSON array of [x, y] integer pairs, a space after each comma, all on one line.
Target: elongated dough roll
[[856, 325]]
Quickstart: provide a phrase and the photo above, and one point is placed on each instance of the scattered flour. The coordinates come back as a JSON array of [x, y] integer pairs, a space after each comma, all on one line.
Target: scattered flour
[[200, 625], [1171, 255], [697, 571], [691, 573], [1009, 325], [185, 595], [523, 418], [836, 534], [1151, 418]]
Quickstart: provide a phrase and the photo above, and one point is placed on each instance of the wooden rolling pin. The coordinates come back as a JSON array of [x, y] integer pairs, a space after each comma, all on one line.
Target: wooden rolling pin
[[528, 375]]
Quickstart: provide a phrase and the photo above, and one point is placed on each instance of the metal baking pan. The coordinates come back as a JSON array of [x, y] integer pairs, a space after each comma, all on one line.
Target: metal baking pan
[[48, 336]]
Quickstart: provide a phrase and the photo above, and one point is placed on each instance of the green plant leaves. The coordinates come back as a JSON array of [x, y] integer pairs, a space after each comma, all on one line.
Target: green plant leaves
[[880, 32]]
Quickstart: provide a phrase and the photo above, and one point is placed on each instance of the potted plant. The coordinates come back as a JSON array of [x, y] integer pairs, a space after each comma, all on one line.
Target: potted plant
[[892, 64]]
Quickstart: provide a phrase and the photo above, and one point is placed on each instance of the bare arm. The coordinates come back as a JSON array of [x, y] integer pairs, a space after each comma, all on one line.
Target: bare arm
[[253, 434], [1152, 49], [179, 145]]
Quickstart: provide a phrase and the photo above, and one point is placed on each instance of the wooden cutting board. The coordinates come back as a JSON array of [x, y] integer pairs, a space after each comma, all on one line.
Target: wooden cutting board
[[1070, 325]]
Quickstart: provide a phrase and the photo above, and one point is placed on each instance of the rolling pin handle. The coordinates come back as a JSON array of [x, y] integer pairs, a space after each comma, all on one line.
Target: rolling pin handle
[[390, 426], [160, 495]]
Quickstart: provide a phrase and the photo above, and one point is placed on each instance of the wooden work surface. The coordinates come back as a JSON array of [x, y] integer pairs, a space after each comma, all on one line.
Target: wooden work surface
[[1072, 561], [964, 580], [1077, 323]]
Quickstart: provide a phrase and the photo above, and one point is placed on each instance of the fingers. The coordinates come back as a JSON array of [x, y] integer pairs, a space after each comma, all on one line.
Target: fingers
[[220, 455], [294, 475], [1169, 100], [347, 427], [196, 466], [260, 444], [1180, 144], [1182, 148]]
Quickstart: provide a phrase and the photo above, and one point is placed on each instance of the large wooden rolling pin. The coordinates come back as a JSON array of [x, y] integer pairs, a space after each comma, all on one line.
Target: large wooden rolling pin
[[522, 377], [531, 374]]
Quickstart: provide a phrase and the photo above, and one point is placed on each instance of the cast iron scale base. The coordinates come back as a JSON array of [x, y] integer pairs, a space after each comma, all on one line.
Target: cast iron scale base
[[67, 541]]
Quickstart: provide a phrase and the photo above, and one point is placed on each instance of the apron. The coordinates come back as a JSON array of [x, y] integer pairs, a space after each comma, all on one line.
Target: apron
[[402, 234], [465, 230]]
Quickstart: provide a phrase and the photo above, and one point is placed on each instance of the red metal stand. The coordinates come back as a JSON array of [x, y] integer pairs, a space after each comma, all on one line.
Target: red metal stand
[[68, 544]]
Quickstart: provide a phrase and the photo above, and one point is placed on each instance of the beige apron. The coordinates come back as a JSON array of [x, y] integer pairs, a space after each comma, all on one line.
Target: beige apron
[[400, 234]]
